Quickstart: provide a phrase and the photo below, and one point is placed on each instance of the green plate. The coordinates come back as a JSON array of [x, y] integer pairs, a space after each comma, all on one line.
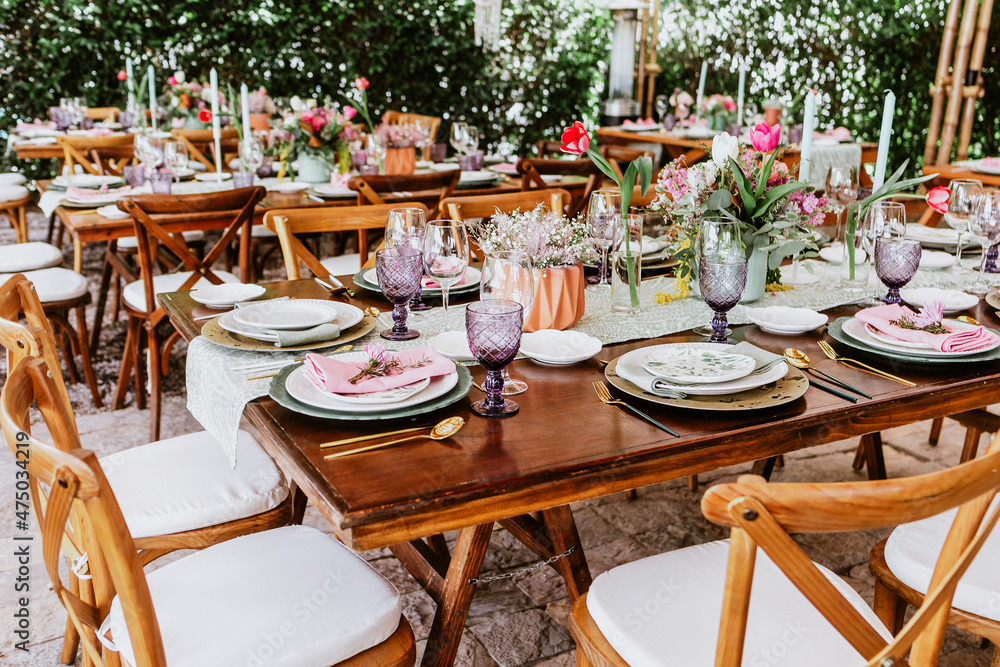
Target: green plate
[[278, 392], [836, 331], [359, 280]]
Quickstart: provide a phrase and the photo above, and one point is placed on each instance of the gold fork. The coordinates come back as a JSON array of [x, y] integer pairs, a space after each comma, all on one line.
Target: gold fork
[[832, 354], [604, 394]]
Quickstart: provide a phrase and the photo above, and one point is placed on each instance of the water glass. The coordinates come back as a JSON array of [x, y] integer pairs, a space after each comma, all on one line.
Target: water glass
[[509, 276], [896, 262], [984, 225], [963, 198], [626, 263], [446, 256], [604, 216], [721, 284], [161, 181], [242, 179], [467, 162], [885, 219], [842, 189], [175, 156], [134, 175], [459, 138], [494, 331], [251, 153], [399, 271], [407, 227]]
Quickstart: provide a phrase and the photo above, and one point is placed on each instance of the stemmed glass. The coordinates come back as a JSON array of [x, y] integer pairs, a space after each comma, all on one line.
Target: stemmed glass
[[149, 150], [885, 219], [407, 227], [841, 189], [446, 256], [175, 156], [605, 218], [399, 271], [964, 195], [377, 147], [494, 331], [472, 142], [896, 262], [984, 225], [509, 276], [722, 270], [251, 153], [459, 138], [662, 104]]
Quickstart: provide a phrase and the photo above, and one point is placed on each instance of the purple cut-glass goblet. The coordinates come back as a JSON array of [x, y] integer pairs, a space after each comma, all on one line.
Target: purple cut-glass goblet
[[896, 262], [494, 331], [721, 285], [399, 271]]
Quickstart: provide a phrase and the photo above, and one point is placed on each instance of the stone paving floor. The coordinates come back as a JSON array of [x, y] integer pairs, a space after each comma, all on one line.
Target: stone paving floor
[[520, 621]]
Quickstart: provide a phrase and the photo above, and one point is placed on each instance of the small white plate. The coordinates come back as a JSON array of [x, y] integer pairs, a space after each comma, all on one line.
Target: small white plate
[[290, 188], [226, 295], [112, 212], [327, 190], [786, 321], [454, 345], [94, 181], [935, 237], [933, 260], [209, 176], [469, 177], [291, 315], [347, 316], [443, 166], [836, 254], [700, 366], [984, 167], [95, 202], [396, 395], [952, 300], [183, 172], [551, 346], [857, 330]]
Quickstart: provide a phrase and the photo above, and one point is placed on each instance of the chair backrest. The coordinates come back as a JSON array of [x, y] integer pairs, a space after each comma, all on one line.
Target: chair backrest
[[109, 114], [532, 170], [371, 187], [616, 154], [401, 118], [160, 219], [199, 142], [286, 223], [98, 155], [764, 515], [76, 511], [547, 148]]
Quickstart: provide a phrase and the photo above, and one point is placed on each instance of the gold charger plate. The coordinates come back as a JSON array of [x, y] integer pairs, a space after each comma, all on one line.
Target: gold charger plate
[[216, 334], [993, 298], [785, 390]]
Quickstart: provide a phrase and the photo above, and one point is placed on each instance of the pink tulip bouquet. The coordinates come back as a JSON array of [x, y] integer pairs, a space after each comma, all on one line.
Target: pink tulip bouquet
[[746, 184]]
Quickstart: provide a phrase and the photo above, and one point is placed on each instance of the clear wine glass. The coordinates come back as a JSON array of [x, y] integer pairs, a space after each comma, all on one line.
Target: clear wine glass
[[472, 141], [841, 189], [896, 262], [605, 218], [494, 331], [509, 276], [459, 137], [964, 195], [446, 256], [662, 104], [149, 150], [399, 271], [407, 227], [984, 225], [175, 156], [885, 219], [720, 240], [251, 153]]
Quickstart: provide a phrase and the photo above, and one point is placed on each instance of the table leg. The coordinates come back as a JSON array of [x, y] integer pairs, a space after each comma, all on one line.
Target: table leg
[[874, 457], [77, 254], [573, 568]]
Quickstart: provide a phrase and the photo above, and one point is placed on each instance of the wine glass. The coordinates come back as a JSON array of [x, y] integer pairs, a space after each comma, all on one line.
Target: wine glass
[[662, 104], [472, 139], [885, 219], [251, 153], [509, 276], [377, 147], [896, 262], [407, 227], [984, 225], [964, 195], [459, 137], [494, 331], [446, 256], [399, 271], [149, 150], [722, 270], [841, 189], [604, 216], [175, 156]]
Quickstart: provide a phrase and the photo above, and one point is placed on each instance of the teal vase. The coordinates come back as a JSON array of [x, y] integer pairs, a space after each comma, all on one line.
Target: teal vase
[[756, 271], [314, 168]]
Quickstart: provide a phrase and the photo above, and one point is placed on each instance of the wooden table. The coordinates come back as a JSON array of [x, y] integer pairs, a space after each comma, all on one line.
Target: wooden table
[[563, 446]]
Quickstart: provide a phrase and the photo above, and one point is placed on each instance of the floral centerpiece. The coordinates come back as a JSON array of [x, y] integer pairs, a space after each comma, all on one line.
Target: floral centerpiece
[[188, 103], [313, 137], [400, 143], [720, 110], [681, 102]]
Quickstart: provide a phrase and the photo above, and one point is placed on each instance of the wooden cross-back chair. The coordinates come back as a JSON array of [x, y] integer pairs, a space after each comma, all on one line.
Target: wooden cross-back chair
[[372, 187], [78, 513], [615, 153], [109, 114], [98, 155], [532, 170], [201, 144], [762, 517], [159, 221], [402, 118]]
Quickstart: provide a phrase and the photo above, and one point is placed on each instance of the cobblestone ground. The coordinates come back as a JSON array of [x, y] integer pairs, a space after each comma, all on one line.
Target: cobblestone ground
[[523, 621]]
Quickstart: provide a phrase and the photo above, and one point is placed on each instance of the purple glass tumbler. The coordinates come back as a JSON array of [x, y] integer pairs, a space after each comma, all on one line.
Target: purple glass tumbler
[[161, 181], [399, 271], [896, 262], [494, 330], [721, 285]]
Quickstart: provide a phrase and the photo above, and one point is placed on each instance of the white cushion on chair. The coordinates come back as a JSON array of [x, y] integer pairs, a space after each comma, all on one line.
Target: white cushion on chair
[[262, 232], [187, 482], [342, 265], [55, 284], [130, 242], [912, 550], [135, 293], [12, 192], [665, 610], [12, 179], [17, 257], [290, 596]]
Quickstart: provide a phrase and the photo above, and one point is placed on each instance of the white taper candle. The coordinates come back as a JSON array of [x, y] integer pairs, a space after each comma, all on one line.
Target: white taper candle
[[807, 136], [213, 79], [885, 136], [151, 75], [740, 94], [701, 87], [245, 107], [130, 82]]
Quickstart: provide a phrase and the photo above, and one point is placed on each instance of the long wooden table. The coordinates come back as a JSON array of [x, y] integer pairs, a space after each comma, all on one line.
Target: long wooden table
[[564, 446]]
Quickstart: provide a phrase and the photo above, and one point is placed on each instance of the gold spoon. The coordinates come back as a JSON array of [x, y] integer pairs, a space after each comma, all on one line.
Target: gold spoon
[[373, 311], [441, 431], [800, 359], [968, 320]]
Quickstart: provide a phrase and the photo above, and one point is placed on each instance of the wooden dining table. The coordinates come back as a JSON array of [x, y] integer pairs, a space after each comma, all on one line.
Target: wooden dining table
[[562, 447]]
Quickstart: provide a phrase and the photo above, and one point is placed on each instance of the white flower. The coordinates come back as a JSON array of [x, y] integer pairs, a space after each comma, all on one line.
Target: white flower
[[296, 103], [206, 94], [179, 76], [175, 101], [309, 104], [724, 147], [711, 172]]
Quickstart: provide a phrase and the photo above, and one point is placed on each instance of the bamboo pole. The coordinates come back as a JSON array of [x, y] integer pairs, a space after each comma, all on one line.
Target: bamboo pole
[[974, 90], [653, 67], [640, 73], [941, 79], [958, 71]]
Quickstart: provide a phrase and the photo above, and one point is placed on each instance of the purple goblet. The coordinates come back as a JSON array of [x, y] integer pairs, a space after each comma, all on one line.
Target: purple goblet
[[399, 271], [63, 119], [415, 239], [242, 179], [126, 118], [134, 174], [991, 259], [494, 331], [721, 285], [161, 181], [896, 261]]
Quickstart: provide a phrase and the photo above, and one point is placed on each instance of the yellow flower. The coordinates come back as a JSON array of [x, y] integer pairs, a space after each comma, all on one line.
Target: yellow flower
[[777, 287], [681, 291]]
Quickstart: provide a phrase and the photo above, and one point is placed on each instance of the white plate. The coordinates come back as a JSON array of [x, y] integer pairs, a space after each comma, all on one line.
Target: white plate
[[226, 295], [397, 395], [347, 316], [183, 172], [983, 168], [699, 132], [443, 166], [933, 260], [797, 274], [559, 347], [786, 321], [721, 388], [472, 277], [857, 330], [327, 190], [893, 341], [835, 254], [95, 201], [301, 388], [291, 315], [210, 176], [697, 365], [652, 127], [290, 187], [469, 177], [112, 212], [94, 181], [952, 300], [454, 345], [935, 237]]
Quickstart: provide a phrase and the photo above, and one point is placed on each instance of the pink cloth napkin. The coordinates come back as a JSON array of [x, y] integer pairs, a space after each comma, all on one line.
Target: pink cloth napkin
[[961, 341], [642, 122], [37, 125], [86, 194], [991, 162], [430, 283], [505, 168], [339, 181], [333, 375]]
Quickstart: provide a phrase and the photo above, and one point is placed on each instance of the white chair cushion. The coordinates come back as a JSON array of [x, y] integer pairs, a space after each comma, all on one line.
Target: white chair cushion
[[12, 179], [55, 284], [17, 257], [912, 550], [262, 232], [342, 265], [12, 192], [291, 596], [187, 482], [135, 294], [666, 609], [131, 243]]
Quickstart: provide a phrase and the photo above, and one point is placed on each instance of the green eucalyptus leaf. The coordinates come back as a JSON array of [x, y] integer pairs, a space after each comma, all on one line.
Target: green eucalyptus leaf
[[720, 200]]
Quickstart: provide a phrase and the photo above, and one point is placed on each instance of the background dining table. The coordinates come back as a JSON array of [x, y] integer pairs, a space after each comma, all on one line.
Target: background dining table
[[564, 446]]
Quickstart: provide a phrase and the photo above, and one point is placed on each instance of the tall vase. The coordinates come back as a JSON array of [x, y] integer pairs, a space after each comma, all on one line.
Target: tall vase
[[626, 269], [400, 161], [756, 271], [314, 168]]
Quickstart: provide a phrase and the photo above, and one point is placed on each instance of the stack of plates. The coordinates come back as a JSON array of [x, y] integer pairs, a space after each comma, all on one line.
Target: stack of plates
[[477, 179], [328, 191], [88, 181], [112, 212], [855, 333], [559, 348], [212, 176], [786, 321], [990, 165], [368, 279], [226, 295], [261, 321]]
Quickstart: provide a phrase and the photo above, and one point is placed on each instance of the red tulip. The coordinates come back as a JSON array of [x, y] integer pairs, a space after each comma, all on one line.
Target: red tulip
[[938, 198], [361, 83], [575, 139], [122, 75], [204, 115], [765, 138]]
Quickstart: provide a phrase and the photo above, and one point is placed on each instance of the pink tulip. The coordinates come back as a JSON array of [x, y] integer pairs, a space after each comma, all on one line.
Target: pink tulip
[[172, 81], [575, 139], [349, 112], [764, 138]]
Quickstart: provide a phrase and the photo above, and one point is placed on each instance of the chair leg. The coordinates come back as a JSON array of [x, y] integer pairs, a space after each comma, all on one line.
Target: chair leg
[[890, 608], [85, 360], [63, 333], [155, 376], [859, 457], [996, 656], [935, 433], [692, 482], [971, 446], [102, 299], [71, 639], [129, 363]]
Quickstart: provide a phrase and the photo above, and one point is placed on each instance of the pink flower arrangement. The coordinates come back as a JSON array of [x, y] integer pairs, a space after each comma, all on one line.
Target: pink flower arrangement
[[765, 138], [404, 135], [349, 112]]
